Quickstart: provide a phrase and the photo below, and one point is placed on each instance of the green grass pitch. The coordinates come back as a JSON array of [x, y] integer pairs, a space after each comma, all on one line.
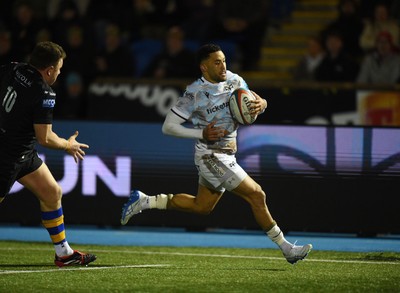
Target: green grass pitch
[[29, 267]]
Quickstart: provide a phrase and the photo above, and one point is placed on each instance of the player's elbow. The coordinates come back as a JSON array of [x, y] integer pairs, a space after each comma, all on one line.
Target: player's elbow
[[43, 141], [167, 128], [164, 129]]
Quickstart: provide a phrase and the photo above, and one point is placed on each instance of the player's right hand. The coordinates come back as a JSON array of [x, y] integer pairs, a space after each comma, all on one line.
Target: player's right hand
[[212, 133]]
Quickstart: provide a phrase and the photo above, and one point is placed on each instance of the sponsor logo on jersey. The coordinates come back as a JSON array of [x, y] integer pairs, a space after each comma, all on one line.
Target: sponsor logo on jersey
[[48, 103], [217, 108], [50, 93], [228, 87], [189, 95], [23, 79]]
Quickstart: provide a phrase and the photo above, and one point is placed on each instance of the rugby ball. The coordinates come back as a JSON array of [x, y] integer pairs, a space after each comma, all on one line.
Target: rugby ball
[[239, 105]]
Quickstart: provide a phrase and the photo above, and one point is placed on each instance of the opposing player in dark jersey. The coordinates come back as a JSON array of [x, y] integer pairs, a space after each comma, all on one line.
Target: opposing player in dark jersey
[[205, 105], [26, 114]]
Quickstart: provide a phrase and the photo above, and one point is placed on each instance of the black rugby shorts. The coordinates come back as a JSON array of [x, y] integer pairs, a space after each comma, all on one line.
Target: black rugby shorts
[[12, 169]]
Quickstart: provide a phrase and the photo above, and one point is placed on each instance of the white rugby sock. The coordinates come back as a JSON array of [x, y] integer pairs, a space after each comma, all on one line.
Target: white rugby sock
[[159, 201], [276, 235], [63, 249]]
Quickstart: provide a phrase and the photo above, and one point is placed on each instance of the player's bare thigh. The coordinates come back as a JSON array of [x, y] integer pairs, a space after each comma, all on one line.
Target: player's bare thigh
[[247, 188], [42, 183]]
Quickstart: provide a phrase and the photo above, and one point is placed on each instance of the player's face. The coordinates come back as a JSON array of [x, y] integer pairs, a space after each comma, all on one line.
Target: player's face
[[214, 68], [53, 72]]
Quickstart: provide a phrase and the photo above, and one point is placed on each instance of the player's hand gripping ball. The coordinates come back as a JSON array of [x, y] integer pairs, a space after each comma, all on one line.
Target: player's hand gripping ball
[[239, 105]]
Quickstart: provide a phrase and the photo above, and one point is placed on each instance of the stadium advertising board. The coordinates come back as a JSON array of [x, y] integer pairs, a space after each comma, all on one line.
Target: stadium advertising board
[[311, 175]]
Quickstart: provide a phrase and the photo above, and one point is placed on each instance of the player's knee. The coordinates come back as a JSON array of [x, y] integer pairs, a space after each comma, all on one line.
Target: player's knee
[[58, 191], [258, 195], [55, 193], [257, 189]]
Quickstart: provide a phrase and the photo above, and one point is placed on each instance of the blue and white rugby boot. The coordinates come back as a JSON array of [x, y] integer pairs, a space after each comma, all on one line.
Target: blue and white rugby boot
[[133, 206], [297, 253]]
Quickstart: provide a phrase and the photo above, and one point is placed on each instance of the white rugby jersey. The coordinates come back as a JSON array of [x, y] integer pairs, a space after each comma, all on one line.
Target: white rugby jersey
[[204, 102]]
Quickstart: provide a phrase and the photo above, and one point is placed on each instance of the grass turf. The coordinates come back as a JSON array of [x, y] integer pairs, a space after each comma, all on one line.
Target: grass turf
[[28, 267]]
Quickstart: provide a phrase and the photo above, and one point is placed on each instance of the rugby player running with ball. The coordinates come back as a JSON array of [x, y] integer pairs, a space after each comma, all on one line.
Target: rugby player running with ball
[[215, 132]]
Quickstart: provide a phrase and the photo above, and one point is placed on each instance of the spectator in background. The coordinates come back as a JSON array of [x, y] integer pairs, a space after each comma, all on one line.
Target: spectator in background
[[349, 24], [24, 29], [80, 57], [199, 20], [7, 54], [145, 19], [367, 7], [381, 22], [243, 23], [73, 98], [305, 69], [44, 35], [175, 61], [115, 58], [336, 66], [383, 64], [67, 16], [280, 11], [54, 5]]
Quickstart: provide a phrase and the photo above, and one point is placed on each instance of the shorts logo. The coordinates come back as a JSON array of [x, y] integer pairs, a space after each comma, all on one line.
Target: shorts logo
[[48, 103], [212, 163]]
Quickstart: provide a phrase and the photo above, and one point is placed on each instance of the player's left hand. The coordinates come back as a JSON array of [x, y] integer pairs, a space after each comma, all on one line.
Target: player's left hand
[[258, 105]]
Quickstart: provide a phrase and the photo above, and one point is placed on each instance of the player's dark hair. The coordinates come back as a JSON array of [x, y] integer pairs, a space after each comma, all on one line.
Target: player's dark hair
[[46, 54], [204, 52]]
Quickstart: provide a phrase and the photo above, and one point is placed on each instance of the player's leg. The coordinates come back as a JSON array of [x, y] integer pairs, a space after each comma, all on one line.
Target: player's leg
[[203, 203], [42, 183], [252, 192], [7, 176]]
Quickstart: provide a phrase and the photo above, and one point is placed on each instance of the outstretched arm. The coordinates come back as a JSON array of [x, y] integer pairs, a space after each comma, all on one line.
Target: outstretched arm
[[49, 139]]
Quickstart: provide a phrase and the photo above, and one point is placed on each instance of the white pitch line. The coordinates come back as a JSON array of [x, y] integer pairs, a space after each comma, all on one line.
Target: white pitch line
[[4, 272], [253, 257], [235, 256]]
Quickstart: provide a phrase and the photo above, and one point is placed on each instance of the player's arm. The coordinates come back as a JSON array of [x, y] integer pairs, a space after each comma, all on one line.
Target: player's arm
[[46, 137], [173, 126]]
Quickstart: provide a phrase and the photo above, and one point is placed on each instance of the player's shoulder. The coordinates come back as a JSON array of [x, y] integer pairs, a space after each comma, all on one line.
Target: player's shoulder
[[235, 80], [31, 80], [196, 85], [27, 74], [195, 88], [232, 76]]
